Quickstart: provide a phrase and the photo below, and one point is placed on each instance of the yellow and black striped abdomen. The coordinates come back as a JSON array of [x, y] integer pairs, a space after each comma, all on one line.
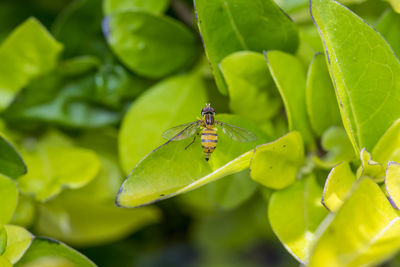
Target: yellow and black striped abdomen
[[209, 140]]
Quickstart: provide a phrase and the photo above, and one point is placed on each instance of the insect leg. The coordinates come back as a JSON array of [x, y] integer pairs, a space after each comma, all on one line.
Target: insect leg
[[194, 139]]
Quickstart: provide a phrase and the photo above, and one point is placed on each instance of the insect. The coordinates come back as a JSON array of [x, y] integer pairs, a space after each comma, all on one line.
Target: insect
[[208, 131]]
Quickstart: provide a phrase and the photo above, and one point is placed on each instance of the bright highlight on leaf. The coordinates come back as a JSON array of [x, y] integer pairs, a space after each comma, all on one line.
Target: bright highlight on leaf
[[337, 186], [18, 241], [370, 168], [231, 26], [392, 183], [365, 230], [276, 164], [366, 75], [295, 213], [388, 147]]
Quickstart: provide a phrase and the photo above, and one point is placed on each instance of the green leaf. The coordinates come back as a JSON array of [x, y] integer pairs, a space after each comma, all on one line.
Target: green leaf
[[231, 26], [30, 51], [150, 45], [99, 220], [388, 146], [154, 6], [25, 212], [392, 183], [338, 147], [250, 86], [395, 4], [3, 240], [9, 198], [365, 75], [4, 262], [275, 165], [290, 78], [11, 162], [54, 163], [295, 213], [171, 102], [365, 230], [172, 170], [370, 167], [389, 26], [322, 106], [49, 252], [337, 186], [18, 241]]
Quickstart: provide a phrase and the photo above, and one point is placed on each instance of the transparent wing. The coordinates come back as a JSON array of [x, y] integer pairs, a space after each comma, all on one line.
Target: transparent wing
[[237, 133], [181, 132]]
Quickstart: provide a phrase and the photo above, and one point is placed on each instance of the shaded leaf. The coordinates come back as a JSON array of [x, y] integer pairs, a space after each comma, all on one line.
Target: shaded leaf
[[231, 26], [154, 6], [30, 51], [395, 4], [11, 162], [150, 45], [365, 75], [338, 147], [389, 26], [295, 213], [337, 186], [3, 240], [322, 106], [275, 165], [290, 78], [366, 227], [9, 198]]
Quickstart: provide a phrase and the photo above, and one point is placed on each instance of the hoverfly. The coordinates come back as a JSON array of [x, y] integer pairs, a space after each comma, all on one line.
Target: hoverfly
[[208, 131]]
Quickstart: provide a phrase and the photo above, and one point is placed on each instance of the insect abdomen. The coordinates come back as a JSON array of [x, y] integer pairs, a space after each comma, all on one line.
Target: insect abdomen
[[209, 140]]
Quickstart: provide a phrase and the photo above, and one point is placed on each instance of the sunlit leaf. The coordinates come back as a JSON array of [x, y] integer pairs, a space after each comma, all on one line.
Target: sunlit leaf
[[365, 75], [9, 198], [295, 213], [395, 4], [365, 231], [11, 162], [275, 165], [370, 168], [49, 252], [337, 186], [250, 86], [290, 78], [3, 240], [18, 241], [392, 183], [322, 106], [55, 164], [27, 53], [172, 170], [231, 26], [172, 102], [154, 6], [388, 146], [150, 45]]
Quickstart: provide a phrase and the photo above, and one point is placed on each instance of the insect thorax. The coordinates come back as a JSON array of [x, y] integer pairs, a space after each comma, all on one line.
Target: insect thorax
[[209, 120]]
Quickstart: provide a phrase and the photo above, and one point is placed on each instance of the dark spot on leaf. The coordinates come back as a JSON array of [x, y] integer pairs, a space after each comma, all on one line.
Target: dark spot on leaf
[[50, 240], [284, 146], [162, 195]]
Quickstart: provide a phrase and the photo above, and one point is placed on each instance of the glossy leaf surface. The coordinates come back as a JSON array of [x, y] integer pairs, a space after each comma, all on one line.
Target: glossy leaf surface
[[366, 75], [275, 165], [11, 162], [231, 26], [150, 45], [295, 213]]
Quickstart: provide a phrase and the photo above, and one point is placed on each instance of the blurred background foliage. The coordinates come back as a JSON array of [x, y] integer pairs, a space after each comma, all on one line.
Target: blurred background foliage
[[66, 109]]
